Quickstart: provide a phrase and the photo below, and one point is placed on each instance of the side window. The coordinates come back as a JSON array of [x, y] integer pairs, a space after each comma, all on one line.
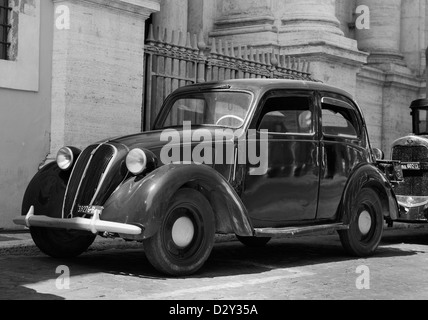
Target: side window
[[287, 115], [339, 119]]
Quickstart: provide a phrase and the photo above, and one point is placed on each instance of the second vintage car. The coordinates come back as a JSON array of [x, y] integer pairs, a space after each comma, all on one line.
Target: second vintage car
[[412, 152], [257, 158]]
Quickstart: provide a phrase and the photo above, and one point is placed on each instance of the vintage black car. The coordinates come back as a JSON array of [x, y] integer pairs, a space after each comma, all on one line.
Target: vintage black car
[[412, 152], [288, 157]]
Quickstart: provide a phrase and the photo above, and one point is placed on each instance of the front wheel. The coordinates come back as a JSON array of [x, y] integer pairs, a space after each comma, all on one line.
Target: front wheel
[[366, 227], [186, 236], [61, 244]]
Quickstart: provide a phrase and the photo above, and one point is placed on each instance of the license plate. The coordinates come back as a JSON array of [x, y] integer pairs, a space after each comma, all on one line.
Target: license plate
[[411, 166], [90, 210]]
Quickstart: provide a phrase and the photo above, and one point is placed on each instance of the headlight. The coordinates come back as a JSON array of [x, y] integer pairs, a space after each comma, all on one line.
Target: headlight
[[136, 161], [65, 158], [378, 154]]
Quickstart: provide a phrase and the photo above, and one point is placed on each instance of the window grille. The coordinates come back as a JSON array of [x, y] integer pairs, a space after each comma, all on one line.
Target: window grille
[[4, 29]]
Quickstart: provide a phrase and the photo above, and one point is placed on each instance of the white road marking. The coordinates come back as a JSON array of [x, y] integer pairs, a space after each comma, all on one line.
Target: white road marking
[[292, 274]]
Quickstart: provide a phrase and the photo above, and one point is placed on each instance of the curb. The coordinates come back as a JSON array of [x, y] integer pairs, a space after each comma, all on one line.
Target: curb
[[22, 239]]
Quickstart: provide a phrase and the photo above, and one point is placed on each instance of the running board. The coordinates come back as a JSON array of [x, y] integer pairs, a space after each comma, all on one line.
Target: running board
[[292, 231]]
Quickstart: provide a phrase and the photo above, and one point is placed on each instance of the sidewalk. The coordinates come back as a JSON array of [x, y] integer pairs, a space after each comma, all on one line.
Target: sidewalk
[[22, 239], [19, 238]]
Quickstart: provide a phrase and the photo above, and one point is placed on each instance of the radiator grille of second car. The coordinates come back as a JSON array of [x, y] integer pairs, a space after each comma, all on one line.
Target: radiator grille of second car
[[415, 182], [410, 153], [82, 187]]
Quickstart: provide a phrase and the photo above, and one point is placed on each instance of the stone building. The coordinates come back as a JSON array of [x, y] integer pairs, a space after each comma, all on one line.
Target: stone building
[[71, 71], [382, 62]]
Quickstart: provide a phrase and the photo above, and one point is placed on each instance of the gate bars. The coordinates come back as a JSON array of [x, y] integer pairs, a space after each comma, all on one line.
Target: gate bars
[[174, 59]]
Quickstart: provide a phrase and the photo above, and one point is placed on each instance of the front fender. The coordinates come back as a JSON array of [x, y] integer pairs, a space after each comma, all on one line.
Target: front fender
[[46, 191], [145, 201], [369, 176]]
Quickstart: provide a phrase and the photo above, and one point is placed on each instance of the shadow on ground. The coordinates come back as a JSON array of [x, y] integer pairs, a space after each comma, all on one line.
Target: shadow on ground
[[227, 259], [233, 258]]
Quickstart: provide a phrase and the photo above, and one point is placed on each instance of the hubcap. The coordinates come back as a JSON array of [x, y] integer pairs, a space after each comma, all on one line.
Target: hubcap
[[183, 232], [365, 222]]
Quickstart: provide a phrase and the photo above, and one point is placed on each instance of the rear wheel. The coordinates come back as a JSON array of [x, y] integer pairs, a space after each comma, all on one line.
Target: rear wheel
[[59, 243], [186, 236], [253, 242], [366, 227]]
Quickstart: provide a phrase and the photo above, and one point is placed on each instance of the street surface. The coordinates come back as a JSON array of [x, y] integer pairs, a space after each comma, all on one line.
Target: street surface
[[314, 267]]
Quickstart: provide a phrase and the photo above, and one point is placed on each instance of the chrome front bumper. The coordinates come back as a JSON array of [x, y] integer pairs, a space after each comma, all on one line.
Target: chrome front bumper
[[413, 208], [94, 224]]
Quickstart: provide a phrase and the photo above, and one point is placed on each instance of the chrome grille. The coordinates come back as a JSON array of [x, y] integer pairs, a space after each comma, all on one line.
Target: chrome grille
[[87, 177], [410, 153]]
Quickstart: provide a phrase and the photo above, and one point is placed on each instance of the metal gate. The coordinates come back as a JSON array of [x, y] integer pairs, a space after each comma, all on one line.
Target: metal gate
[[174, 59]]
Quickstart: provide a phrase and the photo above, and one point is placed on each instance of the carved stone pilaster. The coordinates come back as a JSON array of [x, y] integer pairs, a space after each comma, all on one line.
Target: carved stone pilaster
[[97, 71], [172, 15], [383, 38], [247, 21]]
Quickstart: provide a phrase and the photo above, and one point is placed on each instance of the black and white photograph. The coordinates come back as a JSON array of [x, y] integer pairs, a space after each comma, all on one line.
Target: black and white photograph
[[213, 155]]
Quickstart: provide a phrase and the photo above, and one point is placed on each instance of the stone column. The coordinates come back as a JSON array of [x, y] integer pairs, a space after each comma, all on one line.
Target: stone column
[[172, 16], [310, 30], [202, 14], [97, 70], [382, 39], [317, 16], [246, 21], [413, 42]]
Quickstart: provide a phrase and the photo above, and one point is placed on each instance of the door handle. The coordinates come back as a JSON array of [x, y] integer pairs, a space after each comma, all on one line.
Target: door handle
[[321, 157]]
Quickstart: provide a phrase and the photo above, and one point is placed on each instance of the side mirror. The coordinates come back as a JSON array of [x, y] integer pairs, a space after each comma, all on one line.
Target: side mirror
[[378, 154]]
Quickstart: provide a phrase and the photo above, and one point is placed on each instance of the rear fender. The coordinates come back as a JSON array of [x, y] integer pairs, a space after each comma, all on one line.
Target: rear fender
[[144, 202], [369, 176]]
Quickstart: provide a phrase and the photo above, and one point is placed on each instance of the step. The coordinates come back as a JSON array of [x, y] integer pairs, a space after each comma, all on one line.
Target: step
[[292, 231]]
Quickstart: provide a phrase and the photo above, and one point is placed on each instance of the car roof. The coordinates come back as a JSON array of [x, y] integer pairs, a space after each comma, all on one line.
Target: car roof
[[257, 85]]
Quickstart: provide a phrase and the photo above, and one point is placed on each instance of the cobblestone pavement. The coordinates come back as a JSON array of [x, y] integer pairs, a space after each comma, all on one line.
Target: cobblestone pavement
[[314, 267]]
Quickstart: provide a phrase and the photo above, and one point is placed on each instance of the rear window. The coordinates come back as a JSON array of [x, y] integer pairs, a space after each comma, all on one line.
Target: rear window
[[339, 119]]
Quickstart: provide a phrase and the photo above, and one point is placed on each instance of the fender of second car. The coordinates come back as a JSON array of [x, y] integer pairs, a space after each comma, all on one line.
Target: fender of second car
[[144, 201], [369, 176]]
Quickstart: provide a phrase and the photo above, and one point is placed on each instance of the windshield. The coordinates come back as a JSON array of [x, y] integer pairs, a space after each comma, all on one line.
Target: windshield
[[420, 120], [225, 109]]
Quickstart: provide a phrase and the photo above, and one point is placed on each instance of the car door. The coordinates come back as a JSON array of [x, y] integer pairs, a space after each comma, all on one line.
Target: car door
[[342, 148], [285, 192]]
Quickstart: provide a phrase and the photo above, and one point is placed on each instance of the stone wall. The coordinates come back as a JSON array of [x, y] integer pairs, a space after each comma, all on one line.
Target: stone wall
[[98, 71], [25, 107], [67, 86]]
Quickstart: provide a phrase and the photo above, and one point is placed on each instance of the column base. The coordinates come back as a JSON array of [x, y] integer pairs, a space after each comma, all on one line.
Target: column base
[[331, 62], [255, 31], [378, 58]]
